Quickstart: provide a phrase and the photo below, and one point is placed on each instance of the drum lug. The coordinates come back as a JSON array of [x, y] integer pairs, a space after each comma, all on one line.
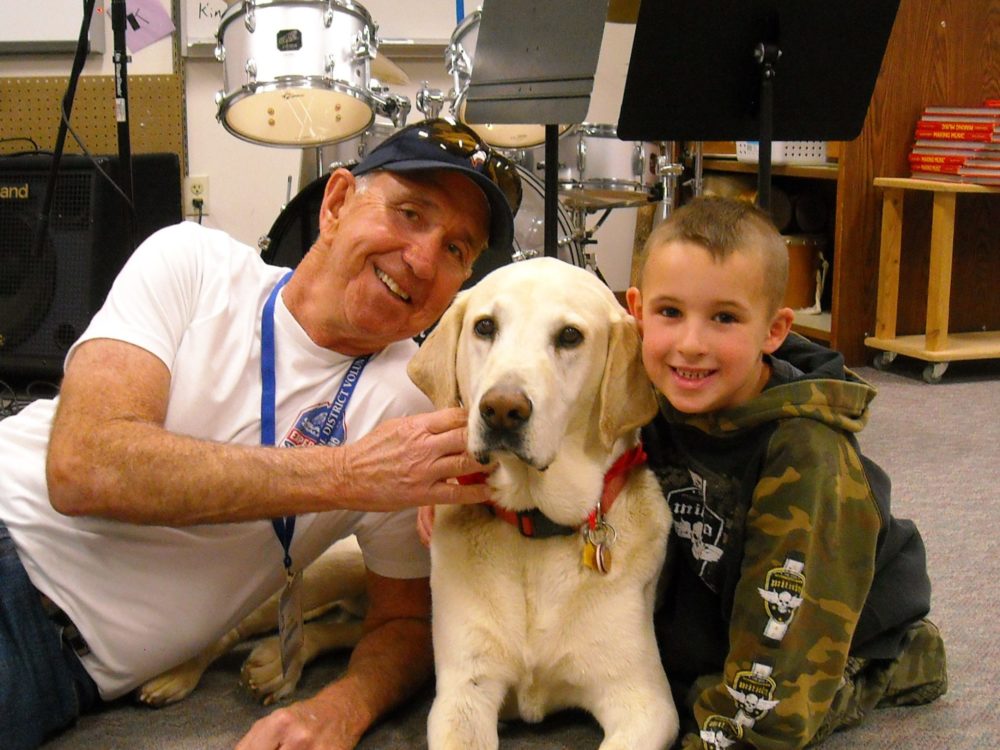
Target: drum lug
[[328, 15], [249, 19], [581, 156], [638, 162], [363, 46], [220, 52], [251, 70]]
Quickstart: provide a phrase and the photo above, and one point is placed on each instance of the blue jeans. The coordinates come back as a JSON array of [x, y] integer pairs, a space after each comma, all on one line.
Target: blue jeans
[[43, 686]]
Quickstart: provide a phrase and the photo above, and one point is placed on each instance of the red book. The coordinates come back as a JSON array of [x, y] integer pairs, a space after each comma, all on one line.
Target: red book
[[942, 146], [986, 110], [929, 122], [978, 163], [943, 159], [977, 172], [988, 136], [936, 168]]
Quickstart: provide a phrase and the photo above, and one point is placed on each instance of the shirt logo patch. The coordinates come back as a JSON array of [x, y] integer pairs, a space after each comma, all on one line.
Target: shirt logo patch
[[782, 594], [308, 427], [720, 732], [753, 692], [696, 522]]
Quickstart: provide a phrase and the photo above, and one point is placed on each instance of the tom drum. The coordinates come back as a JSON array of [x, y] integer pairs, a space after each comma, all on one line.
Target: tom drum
[[295, 72]]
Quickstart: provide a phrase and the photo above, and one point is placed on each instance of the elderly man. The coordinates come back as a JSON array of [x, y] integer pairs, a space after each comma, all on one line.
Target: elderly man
[[149, 508]]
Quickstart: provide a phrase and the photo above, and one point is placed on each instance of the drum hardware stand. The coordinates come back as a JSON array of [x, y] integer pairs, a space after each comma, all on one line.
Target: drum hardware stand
[[669, 172], [697, 182], [430, 101], [578, 216], [395, 107]]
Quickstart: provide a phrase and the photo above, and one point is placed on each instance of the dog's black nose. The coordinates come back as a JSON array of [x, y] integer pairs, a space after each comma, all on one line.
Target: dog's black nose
[[505, 408]]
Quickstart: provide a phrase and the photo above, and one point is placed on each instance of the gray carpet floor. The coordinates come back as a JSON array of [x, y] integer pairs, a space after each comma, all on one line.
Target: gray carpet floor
[[939, 443]]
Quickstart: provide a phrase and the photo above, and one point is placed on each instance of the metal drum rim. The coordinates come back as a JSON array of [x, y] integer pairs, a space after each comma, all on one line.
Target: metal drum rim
[[235, 10]]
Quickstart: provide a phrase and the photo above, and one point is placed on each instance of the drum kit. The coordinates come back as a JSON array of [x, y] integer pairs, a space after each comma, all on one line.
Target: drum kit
[[307, 74]]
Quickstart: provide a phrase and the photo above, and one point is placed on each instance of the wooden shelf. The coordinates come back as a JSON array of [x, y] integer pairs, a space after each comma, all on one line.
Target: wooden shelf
[[934, 186], [937, 344], [957, 346], [812, 171]]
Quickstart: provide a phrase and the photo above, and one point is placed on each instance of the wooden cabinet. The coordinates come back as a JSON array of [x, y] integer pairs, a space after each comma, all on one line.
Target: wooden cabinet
[[939, 52]]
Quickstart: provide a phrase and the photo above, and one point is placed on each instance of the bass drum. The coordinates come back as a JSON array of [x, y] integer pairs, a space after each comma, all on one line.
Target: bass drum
[[296, 227]]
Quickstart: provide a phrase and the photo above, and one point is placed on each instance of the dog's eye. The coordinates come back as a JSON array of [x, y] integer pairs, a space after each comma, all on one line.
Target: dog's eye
[[485, 328], [569, 337]]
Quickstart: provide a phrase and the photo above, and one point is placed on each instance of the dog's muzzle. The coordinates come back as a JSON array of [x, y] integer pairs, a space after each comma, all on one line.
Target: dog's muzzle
[[504, 411]]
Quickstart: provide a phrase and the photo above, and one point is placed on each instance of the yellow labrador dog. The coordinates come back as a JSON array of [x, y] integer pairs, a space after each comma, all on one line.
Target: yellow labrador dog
[[543, 600]]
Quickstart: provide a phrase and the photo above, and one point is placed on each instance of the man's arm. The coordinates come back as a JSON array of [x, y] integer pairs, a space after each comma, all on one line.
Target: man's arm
[[390, 663], [110, 455]]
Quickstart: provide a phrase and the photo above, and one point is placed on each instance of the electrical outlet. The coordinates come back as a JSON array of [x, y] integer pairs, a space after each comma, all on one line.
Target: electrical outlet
[[195, 190]]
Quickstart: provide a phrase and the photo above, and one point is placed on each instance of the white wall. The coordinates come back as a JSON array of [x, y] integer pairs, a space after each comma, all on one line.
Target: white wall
[[248, 183]]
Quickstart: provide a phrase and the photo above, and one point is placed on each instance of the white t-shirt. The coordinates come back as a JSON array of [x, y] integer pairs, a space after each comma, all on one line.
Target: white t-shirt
[[146, 598]]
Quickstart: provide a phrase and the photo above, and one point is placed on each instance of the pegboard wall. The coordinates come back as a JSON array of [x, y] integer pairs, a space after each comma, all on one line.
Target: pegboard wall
[[29, 109]]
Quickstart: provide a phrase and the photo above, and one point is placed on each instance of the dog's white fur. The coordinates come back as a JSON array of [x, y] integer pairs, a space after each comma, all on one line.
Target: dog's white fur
[[521, 627]]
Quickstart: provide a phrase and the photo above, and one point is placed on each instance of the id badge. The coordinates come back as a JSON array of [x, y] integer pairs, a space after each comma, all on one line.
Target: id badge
[[290, 620]]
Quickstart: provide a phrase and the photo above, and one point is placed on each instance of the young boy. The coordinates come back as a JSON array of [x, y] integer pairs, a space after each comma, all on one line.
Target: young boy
[[792, 602]]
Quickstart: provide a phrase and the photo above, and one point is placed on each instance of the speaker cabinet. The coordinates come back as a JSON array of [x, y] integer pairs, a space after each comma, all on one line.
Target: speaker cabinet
[[49, 292]]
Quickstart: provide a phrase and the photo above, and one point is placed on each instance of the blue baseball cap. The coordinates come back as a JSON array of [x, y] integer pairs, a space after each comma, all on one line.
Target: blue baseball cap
[[442, 144]]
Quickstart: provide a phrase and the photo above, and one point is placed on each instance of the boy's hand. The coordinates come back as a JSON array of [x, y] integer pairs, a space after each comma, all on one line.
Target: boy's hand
[[425, 523]]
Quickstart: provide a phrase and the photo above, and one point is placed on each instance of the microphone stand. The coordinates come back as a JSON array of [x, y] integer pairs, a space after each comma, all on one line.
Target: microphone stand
[[121, 58], [66, 107]]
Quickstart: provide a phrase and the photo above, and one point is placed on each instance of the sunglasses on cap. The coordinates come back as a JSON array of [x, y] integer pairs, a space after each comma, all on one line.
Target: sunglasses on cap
[[462, 141]]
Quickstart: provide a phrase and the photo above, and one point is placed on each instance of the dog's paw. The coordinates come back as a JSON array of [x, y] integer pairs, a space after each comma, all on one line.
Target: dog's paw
[[171, 686], [262, 676]]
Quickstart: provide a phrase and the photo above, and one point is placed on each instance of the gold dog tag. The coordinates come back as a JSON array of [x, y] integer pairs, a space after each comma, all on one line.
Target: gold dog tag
[[596, 556], [290, 620]]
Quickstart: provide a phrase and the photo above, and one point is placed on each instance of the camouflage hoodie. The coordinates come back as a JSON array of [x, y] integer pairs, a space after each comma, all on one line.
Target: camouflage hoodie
[[784, 558]]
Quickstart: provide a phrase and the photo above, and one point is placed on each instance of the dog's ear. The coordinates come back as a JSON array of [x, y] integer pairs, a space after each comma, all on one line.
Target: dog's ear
[[432, 368], [627, 397]]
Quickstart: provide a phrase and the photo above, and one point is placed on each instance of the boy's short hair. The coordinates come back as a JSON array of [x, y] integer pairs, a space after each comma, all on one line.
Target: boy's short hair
[[724, 226]]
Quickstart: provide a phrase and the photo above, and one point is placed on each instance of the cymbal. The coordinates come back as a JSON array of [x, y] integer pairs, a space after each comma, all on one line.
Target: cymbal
[[386, 71], [623, 11]]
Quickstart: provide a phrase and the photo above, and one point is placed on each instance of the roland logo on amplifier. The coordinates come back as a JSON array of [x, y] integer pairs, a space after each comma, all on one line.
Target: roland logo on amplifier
[[14, 192]]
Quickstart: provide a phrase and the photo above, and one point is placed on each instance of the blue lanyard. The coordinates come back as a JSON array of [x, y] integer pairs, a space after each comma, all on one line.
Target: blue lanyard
[[333, 429]]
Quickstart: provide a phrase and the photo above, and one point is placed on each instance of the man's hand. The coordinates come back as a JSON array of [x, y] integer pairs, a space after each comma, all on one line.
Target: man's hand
[[297, 727], [414, 458]]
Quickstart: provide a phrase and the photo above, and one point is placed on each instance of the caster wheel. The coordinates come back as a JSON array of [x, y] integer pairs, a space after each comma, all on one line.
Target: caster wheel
[[883, 360], [934, 371]]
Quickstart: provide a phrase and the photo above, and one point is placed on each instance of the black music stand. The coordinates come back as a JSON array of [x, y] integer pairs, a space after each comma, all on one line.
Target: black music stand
[[535, 63], [759, 70]]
